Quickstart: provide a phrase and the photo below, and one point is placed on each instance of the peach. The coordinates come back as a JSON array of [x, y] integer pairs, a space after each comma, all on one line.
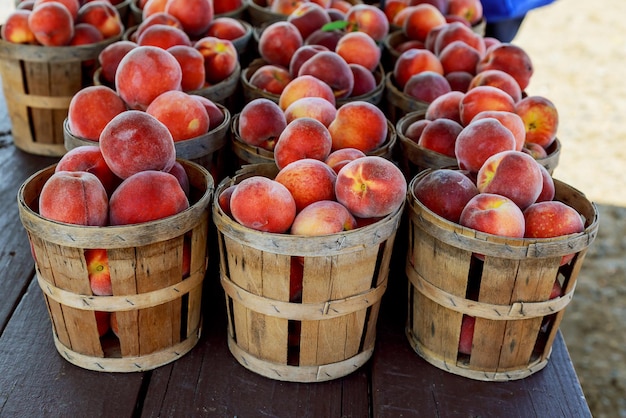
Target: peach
[[308, 17], [89, 158], [151, 7], [263, 204], [179, 172], [541, 119], [146, 196], [312, 107], [271, 78], [223, 199], [412, 62], [85, 34], [470, 10], [548, 189], [51, 24], [406, 45], [392, 7], [220, 58], [302, 138], [421, 19], [535, 150], [301, 55], [370, 187], [25, 5], [493, 214], [225, 27], [305, 86], [109, 58], [278, 42], [441, 5], [221, 7], [103, 15], [359, 48], [16, 30], [72, 5], [483, 98], [103, 322], [136, 141], [338, 158], [194, 15], [261, 121], [459, 56], [445, 192], [426, 86], [98, 271], [322, 218], [364, 80], [459, 80], [480, 140], [415, 129], [445, 106], [158, 18], [183, 116], [511, 59], [431, 38], [341, 5], [440, 136], [284, 7], [332, 69], [326, 38], [216, 115], [499, 79], [369, 19], [74, 197], [359, 125], [510, 120], [308, 180], [513, 174], [457, 31], [163, 36], [191, 61], [466, 338], [136, 80], [91, 108]]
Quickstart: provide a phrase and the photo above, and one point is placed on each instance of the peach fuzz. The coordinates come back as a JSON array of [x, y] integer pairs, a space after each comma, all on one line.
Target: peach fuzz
[[109, 58], [98, 271], [103, 15], [364, 80], [302, 138], [359, 125], [308, 17], [278, 42], [220, 58], [493, 214], [421, 19], [216, 115], [480, 140], [440, 136], [445, 192], [195, 15], [261, 121], [511, 59], [305, 86], [369, 19], [263, 204], [16, 30], [74, 197], [136, 80], [426, 86], [183, 116], [136, 141], [51, 24], [541, 119], [370, 187], [483, 98], [312, 107], [445, 106], [191, 63], [271, 78], [359, 48], [338, 158], [91, 109], [163, 36], [332, 69], [146, 196], [414, 61], [510, 120], [225, 27], [322, 218], [308, 180], [513, 174], [89, 158]]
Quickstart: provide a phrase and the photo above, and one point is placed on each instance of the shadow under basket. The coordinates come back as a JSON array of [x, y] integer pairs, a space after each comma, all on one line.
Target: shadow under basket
[[327, 329], [457, 273], [156, 306]]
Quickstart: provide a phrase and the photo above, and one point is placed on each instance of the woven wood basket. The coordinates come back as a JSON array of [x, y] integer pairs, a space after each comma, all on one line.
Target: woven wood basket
[[39, 83], [508, 293], [225, 92], [329, 333], [158, 312]]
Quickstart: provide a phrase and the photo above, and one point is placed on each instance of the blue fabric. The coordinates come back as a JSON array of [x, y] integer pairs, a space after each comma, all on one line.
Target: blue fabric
[[496, 10]]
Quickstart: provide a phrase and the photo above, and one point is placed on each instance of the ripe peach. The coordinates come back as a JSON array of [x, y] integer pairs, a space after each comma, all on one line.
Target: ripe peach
[[369, 19], [312, 107], [179, 172], [261, 121], [308, 180], [412, 62], [72, 6], [163, 36], [308, 17], [511, 59], [534, 150], [74, 197], [226, 27], [157, 18], [513, 174], [136, 141], [364, 80], [85, 34], [302, 138], [493, 214], [183, 116], [541, 119], [426, 86], [278, 42], [359, 48], [224, 199], [221, 7], [263, 204], [415, 129], [359, 125], [338, 158], [480, 140], [510, 120], [194, 15], [146, 196], [301, 55], [271, 78], [283, 7], [98, 271], [331, 68], [470, 10], [445, 106], [191, 63], [89, 158], [457, 31], [16, 30], [445, 192], [440, 136], [392, 7], [459, 80], [326, 38], [103, 15], [421, 19], [137, 79], [109, 58], [220, 58], [459, 56], [322, 218], [52, 24], [103, 322], [151, 7], [548, 189], [499, 79], [484, 98], [91, 108], [305, 86], [466, 337], [370, 187], [216, 115]]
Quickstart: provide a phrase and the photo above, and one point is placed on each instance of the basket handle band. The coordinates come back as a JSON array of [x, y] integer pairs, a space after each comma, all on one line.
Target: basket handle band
[[303, 311], [121, 303], [518, 310], [42, 102]]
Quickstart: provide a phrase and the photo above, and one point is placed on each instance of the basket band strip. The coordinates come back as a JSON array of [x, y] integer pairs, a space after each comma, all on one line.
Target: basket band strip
[[42, 102], [303, 311], [518, 310]]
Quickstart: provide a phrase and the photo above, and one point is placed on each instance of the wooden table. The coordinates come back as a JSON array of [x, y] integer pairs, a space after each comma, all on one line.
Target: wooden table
[[36, 381]]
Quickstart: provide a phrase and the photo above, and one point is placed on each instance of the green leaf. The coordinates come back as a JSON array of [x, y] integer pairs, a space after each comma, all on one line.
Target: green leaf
[[336, 25]]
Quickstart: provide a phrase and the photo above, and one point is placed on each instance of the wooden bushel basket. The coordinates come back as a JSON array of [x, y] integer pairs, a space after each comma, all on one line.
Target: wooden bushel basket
[[399, 103], [158, 312], [331, 331], [39, 83], [508, 293]]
